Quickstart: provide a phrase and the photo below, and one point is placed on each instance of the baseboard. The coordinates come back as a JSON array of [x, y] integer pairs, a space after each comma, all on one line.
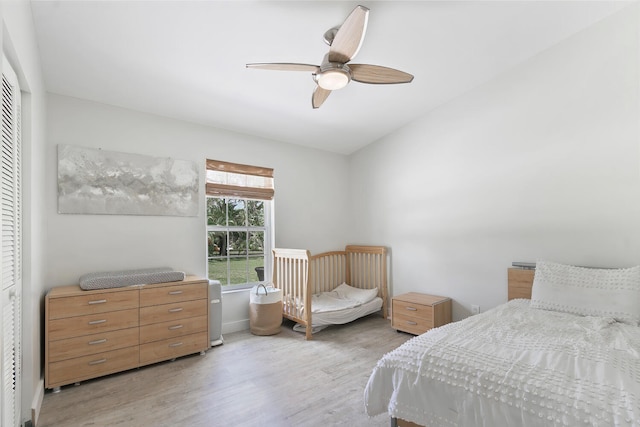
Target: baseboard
[[36, 405], [240, 325]]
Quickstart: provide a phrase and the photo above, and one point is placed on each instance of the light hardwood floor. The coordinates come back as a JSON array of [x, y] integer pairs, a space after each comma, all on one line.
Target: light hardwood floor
[[279, 380]]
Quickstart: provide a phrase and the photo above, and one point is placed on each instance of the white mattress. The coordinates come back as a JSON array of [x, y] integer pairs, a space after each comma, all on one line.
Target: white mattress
[[513, 365], [320, 321]]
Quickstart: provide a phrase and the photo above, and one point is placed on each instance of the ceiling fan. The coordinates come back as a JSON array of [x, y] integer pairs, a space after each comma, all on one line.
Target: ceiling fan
[[334, 73]]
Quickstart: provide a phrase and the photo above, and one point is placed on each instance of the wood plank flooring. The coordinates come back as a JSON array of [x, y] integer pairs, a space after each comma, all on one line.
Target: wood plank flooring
[[279, 380]]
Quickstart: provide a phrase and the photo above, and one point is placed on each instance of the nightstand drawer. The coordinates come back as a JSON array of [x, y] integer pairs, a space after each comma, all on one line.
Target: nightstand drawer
[[413, 325], [410, 309]]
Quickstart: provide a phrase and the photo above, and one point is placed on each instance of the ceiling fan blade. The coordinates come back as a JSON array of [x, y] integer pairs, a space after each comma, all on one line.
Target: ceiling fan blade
[[319, 96], [376, 74], [349, 37], [285, 66]]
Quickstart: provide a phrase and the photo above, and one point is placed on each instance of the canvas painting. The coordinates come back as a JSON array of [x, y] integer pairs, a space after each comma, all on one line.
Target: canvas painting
[[92, 181]]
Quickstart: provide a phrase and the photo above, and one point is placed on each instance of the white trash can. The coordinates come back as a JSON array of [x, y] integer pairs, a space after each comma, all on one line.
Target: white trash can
[[265, 310]]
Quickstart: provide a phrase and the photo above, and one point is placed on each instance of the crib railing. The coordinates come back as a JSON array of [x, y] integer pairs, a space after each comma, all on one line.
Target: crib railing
[[328, 270], [291, 274], [367, 269]]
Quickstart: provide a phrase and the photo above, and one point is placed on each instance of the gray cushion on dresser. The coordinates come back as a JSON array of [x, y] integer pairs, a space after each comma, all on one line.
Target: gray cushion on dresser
[[116, 279]]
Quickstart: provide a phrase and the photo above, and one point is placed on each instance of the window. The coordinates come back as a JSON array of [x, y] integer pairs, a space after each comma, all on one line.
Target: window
[[239, 223]]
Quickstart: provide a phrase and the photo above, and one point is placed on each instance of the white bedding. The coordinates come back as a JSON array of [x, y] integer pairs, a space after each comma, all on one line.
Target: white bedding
[[329, 301], [343, 305], [319, 321], [513, 366]]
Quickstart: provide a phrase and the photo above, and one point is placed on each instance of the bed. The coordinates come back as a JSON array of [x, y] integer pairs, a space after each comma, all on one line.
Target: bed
[[565, 352], [355, 277]]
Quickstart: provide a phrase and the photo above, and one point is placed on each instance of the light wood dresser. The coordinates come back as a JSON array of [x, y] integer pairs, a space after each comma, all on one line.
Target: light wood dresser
[[89, 334], [416, 313]]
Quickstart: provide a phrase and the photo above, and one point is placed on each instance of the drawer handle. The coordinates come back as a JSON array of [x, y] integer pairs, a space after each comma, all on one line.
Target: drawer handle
[[411, 323], [411, 308], [97, 322], [97, 362], [175, 344], [98, 301], [175, 310], [174, 327], [103, 340], [175, 292]]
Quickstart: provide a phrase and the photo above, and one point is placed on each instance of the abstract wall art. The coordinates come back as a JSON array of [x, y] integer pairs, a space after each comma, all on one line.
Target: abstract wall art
[[92, 181]]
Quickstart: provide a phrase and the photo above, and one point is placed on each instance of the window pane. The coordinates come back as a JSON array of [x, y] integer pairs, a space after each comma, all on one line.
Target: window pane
[[255, 213], [237, 243], [218, 270], [256, 269], [238, 270], [217, 244], [216, 211], [237, 213], [256, 243]]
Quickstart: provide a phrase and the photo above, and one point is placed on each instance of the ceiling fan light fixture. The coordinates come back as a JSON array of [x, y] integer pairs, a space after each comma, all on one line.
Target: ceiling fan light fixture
[[333, 79]]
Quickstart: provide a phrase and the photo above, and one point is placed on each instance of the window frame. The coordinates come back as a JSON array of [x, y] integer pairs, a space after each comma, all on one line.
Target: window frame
[[226, 180], [267, 230]]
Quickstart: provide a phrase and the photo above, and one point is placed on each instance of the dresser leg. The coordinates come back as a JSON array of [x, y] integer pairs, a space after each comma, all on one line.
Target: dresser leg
[[202, 353], [76, 384], [56, 389]]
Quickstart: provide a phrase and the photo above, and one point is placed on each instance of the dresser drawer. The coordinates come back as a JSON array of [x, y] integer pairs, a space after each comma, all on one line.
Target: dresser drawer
[[411, 324], [169, 294], [174, 347], [92, 324], [82, 368], [90, 344], [100, 302], [411, 309], [171, 312], [176, 328]]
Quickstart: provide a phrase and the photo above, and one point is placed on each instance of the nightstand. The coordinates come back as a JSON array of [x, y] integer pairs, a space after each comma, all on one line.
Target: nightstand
[[416, 313]]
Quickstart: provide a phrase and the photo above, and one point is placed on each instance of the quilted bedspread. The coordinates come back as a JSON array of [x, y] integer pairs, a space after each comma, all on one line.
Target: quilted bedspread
[[513, 366]]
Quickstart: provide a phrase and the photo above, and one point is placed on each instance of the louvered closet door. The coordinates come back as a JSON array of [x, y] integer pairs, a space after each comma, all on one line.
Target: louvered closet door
[[11, 238]]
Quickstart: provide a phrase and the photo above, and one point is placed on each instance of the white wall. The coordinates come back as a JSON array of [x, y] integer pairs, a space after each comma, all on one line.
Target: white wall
[[19, 45], [309, 185], [540, 163]]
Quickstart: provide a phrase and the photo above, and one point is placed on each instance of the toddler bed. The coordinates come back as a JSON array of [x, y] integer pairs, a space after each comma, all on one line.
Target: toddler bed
[[565, 353], [334, 287]]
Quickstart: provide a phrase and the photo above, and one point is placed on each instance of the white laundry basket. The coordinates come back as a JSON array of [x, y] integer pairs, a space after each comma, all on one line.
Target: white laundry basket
[[265, 310]]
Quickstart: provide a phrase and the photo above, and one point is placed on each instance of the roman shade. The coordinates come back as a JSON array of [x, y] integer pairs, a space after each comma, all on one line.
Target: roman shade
[[226, 179]]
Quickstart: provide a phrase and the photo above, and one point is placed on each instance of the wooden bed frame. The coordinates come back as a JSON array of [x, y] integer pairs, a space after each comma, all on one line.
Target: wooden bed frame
[[300, 275], [519, 284]]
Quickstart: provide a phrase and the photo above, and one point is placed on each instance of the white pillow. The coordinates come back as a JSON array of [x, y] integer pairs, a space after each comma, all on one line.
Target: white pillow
[[588, 291], [360, 295]]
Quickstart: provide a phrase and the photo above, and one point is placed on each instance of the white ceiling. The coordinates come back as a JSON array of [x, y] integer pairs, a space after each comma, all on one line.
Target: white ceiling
[[186, 59]]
